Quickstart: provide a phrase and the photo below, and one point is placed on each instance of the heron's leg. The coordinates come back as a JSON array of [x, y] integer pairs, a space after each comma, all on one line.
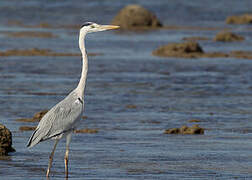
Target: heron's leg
[[51, 158], [68, 139]]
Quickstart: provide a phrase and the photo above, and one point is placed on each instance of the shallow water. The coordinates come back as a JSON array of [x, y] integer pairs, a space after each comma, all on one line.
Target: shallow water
[[167, 93]]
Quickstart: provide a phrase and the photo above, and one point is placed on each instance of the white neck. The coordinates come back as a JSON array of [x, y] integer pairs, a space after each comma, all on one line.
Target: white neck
[[81, 86]]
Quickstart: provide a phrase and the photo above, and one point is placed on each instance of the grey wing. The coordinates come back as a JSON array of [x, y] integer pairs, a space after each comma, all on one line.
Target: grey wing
[[60, 119]]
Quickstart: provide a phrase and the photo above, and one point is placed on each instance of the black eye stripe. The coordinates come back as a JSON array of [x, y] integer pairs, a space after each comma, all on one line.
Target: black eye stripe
[[86, 24]]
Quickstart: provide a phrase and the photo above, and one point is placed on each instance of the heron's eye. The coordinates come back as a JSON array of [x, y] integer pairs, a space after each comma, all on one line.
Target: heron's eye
[[92, 26]]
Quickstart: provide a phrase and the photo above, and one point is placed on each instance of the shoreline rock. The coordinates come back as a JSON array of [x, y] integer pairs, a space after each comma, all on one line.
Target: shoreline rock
[[5, 141], [135, 16]]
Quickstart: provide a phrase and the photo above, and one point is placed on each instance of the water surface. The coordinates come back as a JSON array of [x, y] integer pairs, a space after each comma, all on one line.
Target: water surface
[[167, 93]]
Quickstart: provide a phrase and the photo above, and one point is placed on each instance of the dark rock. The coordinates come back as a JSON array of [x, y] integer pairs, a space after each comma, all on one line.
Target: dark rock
[[242, 19], [195, 129], [135, 16], [5, 141], [228, 37]]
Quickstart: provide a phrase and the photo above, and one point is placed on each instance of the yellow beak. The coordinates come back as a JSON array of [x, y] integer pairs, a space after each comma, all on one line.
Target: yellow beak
[[107, 27]]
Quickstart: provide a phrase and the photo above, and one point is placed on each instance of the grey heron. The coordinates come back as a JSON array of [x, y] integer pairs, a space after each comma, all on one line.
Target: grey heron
[[62, 119]]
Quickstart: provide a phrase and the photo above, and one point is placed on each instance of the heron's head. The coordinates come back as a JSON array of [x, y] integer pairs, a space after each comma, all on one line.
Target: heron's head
[[89, 27]]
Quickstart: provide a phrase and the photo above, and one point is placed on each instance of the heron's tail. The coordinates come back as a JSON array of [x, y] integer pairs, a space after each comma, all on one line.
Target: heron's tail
[[33, 139]]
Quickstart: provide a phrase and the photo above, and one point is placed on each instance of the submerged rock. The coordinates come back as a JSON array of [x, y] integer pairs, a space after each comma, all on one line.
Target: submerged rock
[[27, 128], [241, 54], [40, 52], [31, 34], [242, 19], [34, 52], [228, 37], [135, 16], [37, 117], [21, 24], [195, 129], [91, 131], [5, 141]]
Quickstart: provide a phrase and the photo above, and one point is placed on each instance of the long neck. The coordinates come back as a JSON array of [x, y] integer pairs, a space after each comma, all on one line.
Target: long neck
[[81, 86]]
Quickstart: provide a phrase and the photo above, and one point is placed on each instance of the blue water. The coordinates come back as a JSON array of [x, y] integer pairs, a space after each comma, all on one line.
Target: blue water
[[167, 92]]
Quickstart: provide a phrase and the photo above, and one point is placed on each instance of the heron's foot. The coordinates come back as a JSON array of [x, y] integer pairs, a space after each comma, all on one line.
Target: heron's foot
[[66, 166], [47, 172]]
